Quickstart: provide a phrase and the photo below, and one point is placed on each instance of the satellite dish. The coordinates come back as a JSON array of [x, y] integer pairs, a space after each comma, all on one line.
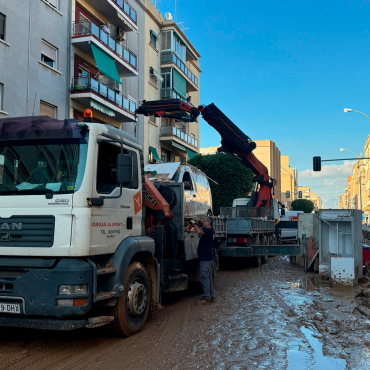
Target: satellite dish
[[168, 16]]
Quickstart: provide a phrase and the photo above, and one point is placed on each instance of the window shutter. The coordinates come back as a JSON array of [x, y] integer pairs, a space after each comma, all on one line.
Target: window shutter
[[49, 51]]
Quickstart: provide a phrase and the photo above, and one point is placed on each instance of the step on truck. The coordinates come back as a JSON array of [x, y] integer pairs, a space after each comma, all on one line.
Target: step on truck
[[85, 238]]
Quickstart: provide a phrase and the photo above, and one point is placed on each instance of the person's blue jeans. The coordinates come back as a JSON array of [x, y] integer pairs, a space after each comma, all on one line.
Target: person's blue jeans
[[206, 279]]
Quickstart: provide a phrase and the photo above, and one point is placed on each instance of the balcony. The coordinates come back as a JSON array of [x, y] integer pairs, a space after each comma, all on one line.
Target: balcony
[[172, 132], [85, 32], [119, 12], [85, 89], [191, 81]]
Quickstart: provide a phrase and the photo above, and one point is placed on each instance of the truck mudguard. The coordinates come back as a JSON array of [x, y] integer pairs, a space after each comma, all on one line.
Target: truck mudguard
[[123, 255]]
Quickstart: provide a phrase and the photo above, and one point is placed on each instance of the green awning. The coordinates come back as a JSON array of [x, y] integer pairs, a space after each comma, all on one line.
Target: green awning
[[105, 63], [179, 84], [154, 153], [178, 146], [102, 109], [154, 34], [191, 154], [180, 38], [156, 74]]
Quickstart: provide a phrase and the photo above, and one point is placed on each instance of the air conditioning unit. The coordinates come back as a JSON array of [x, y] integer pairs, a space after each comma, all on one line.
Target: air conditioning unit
[[121, 34], [116, 86]]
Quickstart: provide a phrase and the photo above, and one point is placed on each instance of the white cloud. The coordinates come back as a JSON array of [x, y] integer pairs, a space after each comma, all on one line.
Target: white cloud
[[329, 183]]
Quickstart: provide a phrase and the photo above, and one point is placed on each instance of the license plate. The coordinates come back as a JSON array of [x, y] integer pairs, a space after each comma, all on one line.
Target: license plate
[[10, 308]]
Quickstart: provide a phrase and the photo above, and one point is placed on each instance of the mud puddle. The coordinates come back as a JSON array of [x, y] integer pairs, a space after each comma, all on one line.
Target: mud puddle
[[308, 354]]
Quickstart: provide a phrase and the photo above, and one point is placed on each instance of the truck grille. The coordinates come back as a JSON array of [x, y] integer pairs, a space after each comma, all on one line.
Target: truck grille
[[27, 231]]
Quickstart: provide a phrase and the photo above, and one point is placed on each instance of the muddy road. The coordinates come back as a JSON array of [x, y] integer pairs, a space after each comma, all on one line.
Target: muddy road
[[273, 317]]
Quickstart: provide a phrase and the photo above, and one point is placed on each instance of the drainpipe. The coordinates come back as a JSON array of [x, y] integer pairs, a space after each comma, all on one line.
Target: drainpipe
[[29, 57]]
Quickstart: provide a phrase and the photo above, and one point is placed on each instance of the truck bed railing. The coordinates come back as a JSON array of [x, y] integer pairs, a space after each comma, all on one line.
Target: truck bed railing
[[241, 211]]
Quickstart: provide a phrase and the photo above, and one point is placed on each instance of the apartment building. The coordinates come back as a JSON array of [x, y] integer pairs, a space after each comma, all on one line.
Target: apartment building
[[105, 66], [171, 72], [34, 62], [289, 182], [313, 197], [269, 154]]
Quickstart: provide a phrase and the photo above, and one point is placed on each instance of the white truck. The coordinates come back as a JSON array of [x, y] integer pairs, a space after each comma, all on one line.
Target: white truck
[[77, 247]]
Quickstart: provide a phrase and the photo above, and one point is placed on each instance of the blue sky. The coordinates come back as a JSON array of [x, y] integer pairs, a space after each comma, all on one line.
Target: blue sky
[[284, 70]]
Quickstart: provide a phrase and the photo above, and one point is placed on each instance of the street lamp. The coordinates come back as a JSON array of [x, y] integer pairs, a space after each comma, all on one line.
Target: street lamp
[[358, 163], [349, 110]]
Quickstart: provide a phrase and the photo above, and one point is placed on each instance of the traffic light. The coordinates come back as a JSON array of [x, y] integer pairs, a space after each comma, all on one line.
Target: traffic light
[[299, 194], [317, 163], [287, 194]]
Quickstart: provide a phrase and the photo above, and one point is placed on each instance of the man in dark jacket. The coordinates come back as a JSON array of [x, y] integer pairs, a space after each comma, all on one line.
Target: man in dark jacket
[[205, 255]]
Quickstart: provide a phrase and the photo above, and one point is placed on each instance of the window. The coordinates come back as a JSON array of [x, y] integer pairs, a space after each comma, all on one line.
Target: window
[[53, 3], [106, 180], [2, 26], [47, 109], [166, 40], [49, 54], [188, 183], [153, 39]]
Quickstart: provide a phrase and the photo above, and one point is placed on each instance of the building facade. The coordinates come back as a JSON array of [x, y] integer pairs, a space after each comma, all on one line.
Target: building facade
[[313, 197], [77, 54], [289, 182], [269, 154], [105, 62], [171, 72], [34, 62]]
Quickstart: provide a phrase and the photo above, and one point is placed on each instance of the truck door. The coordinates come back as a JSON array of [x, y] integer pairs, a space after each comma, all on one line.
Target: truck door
[[118, 218]]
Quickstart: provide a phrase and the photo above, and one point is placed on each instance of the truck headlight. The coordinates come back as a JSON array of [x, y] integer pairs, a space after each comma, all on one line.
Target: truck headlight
[[73, 289]]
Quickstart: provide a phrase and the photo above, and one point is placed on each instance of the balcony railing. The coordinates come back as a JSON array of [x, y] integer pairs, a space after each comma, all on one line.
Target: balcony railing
[[81, 84], [127, 9], [171, 57], [89, 28], [174, 131]]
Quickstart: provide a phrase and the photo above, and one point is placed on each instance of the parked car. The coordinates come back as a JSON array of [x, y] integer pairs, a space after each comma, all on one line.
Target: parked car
[[198, 197], [290, 234]]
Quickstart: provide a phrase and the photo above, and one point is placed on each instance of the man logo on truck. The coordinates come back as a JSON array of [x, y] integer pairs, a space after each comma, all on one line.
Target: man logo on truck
[[15, 226]]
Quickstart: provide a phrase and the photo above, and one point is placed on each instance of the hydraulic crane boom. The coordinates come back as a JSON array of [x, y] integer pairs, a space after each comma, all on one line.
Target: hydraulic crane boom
[[233, 140], [236, 143]]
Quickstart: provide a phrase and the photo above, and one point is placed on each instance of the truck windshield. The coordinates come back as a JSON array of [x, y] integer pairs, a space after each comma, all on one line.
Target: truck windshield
[[42, 166]]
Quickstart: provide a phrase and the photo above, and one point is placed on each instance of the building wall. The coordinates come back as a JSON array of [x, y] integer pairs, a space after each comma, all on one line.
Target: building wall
[[27, 81], [132, 86], [289, 181], [269, 154], [158, 131]]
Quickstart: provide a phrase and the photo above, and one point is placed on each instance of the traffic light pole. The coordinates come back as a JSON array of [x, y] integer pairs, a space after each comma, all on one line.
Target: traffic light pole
[[317, 161]]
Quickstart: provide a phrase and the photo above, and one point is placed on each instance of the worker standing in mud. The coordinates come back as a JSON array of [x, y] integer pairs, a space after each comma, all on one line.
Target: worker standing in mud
[[205, 255]]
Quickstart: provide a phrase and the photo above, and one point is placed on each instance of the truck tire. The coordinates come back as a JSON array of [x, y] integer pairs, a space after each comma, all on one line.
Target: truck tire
[[132, 308], [256, 261], [264, 241]]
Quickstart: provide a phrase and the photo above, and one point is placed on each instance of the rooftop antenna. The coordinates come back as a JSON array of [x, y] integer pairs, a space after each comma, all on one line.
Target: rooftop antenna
[[176, 11], [183, 29]]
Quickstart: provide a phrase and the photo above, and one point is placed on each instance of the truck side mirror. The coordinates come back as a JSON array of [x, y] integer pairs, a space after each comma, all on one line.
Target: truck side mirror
[[282, 212], [124, 169]]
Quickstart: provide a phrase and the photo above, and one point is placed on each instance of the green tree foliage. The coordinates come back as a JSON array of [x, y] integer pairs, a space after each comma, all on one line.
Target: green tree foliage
[[304, 205], [234, 180]]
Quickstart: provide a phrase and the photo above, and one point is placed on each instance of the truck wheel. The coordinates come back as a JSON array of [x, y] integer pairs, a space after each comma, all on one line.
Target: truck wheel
[[256, 261], [132, 308]]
